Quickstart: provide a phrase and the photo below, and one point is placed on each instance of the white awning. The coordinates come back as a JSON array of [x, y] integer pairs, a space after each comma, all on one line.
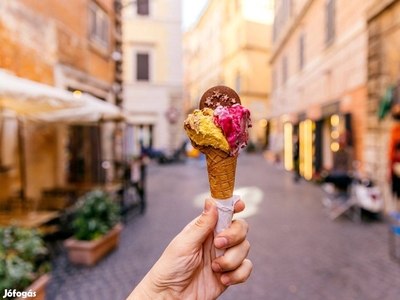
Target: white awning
[[93, 110], [24, 96], [40, 102]]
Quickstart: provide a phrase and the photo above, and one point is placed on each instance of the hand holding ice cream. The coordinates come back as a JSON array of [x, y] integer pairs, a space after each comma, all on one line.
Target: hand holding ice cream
[[219, 129]]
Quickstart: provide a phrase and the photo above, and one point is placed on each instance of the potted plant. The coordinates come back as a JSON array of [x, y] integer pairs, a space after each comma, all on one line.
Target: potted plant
[[96, 228], [24, 264]]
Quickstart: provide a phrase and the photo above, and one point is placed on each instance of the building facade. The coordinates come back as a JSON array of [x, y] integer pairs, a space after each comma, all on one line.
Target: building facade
[[319, 80], [383, 75], [153, 78], [230, 45], [71, 46]]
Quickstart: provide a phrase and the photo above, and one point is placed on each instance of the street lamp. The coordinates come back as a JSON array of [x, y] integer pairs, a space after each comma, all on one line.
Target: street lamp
[[118, 5]]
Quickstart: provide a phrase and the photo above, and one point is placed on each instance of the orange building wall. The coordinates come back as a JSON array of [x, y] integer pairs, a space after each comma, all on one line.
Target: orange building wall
[[36, 36], [24, 62], [65, 24], [355, 103]]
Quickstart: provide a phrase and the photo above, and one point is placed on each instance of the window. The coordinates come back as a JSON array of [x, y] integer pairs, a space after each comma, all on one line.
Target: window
[[237, 5], [283, 12], [99, 25], [301, 51], [286, 10], [284, 69], [142, 66], [274, 79], [238, 83], [143, 7], [330, 21]]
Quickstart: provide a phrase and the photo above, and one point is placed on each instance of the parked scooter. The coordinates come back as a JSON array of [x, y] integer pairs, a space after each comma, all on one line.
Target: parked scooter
[[179, 155], [368, 196], [350, 195]]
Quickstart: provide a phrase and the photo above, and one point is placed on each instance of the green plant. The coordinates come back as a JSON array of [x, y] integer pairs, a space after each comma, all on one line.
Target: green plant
[[251, 147], [94, 216], [23, 257]]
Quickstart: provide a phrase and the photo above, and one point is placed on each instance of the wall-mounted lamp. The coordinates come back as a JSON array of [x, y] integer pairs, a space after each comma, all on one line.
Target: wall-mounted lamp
[[263, 123], [77, 94], [335, 120]]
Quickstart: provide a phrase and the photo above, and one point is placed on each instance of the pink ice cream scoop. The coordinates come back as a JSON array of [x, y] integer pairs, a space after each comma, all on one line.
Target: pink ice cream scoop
[[234, 122]]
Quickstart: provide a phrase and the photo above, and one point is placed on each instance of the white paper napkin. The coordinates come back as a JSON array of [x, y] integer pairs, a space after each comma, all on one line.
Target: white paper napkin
[[225, 214]]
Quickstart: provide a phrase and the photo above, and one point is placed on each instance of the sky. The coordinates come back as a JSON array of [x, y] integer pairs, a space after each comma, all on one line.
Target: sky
[[191, 10]]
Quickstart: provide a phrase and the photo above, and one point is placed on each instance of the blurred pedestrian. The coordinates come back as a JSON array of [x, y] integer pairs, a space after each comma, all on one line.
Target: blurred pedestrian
[[296, 158], [188, 268], [395, 173], [394, 162], [135, 178]]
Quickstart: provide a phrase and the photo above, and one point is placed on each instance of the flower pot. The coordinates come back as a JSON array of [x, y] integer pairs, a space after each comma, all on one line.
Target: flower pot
[[89, 252], [38, 287]]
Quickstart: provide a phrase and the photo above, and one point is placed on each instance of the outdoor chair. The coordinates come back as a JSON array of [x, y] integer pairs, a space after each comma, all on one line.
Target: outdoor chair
[[338, 203], [394, 236]]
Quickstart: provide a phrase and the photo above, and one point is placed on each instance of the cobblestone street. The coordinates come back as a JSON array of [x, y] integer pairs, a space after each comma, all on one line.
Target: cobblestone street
[[297, 252]]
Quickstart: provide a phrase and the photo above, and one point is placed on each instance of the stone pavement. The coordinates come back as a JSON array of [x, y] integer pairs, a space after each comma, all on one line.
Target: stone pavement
[[297, 252]]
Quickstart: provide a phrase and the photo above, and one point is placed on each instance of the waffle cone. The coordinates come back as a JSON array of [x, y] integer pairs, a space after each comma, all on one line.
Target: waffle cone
[[221, 170]]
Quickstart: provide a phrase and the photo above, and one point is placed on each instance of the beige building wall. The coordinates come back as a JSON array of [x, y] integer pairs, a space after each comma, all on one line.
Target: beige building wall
[[203, 53], [334, 72], [147, 102], [236, 54]]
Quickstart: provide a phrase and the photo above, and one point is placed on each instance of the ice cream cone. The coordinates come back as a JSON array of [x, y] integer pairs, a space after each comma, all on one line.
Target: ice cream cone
[[221, 172], [219, 128]]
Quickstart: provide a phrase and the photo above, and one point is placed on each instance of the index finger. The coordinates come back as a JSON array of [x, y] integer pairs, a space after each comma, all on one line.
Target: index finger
[[239, 206]]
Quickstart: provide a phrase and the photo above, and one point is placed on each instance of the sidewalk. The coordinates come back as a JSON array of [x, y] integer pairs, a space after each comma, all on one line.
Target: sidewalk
[[297, 252]]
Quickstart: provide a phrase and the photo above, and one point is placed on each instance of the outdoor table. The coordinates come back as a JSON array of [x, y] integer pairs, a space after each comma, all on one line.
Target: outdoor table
[[34, 219], [61, 197], [81, 188]]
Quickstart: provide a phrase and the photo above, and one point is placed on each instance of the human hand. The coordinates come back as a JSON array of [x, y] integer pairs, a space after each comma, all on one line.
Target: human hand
[[188, 268]]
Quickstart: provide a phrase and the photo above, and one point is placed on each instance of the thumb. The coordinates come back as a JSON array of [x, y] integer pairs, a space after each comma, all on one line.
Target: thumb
[[198, 230]]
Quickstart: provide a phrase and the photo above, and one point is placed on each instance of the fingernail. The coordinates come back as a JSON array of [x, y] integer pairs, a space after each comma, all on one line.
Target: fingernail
[[216, 267], [221, 242], [225, 280], [207, 206]]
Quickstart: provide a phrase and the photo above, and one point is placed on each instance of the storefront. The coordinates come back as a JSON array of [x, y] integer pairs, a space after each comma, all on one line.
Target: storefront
[[316, 136], [383, 74], [35, 119]]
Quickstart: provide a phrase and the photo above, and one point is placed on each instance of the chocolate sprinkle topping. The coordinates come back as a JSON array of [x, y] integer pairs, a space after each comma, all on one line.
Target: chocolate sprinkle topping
[[219, 95]]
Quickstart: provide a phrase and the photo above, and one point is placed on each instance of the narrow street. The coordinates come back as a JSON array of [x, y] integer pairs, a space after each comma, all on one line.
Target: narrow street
[[297, 252]]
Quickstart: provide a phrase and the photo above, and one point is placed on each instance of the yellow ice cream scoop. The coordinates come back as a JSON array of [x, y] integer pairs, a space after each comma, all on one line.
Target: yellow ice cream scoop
[[202, 131]]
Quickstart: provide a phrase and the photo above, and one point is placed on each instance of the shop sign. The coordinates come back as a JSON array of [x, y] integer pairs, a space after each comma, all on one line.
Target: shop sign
[[172, 114], [330, 109]]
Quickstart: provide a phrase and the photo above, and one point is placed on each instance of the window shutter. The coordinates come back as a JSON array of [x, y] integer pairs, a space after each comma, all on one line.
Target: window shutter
[[142, 66], [330, 21], [301, 51], [143, 7], [238, 83], [284, 69]]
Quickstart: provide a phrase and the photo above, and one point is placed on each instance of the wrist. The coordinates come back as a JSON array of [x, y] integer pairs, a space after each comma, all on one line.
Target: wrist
[[148, 289]]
